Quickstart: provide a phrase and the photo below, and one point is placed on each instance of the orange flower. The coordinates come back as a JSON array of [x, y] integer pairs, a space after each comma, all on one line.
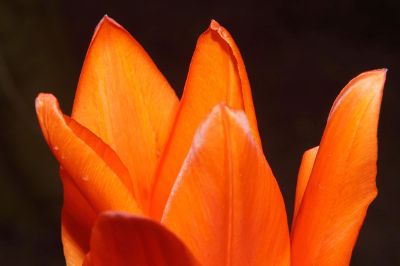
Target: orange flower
[[149, 180]]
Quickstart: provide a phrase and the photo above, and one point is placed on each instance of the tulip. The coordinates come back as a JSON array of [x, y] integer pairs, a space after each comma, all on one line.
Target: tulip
[[151, 180]]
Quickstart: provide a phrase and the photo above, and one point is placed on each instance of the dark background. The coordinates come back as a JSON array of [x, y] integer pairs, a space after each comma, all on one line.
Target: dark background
[[298, 58]]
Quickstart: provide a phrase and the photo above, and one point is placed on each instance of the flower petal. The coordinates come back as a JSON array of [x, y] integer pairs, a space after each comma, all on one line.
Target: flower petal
[[124, 99], [121, 239], [74, 253], [306, 167], [226, 205], [342, 182], [77, 220], [217, 74], [94, 168]]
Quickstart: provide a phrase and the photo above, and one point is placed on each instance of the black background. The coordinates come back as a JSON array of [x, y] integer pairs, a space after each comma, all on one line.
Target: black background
[[298, 55]]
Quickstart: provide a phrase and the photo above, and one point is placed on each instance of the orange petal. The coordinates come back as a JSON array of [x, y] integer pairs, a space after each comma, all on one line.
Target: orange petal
[[94, 168], [226, 205], [342, 182], [121, 239], [124, 99], [217, 74], [77, 220], [306, 167]]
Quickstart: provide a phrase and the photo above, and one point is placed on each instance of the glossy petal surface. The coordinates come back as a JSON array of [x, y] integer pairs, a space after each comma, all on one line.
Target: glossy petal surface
[[217, 74], [124, 99], [119, 239], [342, 182], [226, 205]]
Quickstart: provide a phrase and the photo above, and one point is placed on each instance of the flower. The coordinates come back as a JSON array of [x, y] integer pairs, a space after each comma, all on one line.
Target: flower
[[151, 180]]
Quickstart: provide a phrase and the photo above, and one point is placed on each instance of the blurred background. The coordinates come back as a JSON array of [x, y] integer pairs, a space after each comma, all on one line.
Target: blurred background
[[298, 58]]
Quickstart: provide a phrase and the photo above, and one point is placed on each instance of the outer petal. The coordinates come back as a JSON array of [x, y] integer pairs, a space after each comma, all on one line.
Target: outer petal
[[306, 167], [94, 168], [226, 205], [124, 99], [217, 74], [121, 239], [342, 182]]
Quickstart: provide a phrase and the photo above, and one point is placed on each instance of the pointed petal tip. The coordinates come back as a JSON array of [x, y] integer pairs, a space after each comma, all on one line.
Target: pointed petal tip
[[377, 77], [39, 100], [378, 74], [215, 26], [367, 83], [106, 22], [381, 79], [44, 98], [45, 103], [383, 70]]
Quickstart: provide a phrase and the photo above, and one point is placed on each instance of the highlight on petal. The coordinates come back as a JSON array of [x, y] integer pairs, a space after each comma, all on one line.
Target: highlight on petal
[[306, 167], [94, 168], [123, 98], [342, 181], [225, 204], [216, 74], [122, 239]]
